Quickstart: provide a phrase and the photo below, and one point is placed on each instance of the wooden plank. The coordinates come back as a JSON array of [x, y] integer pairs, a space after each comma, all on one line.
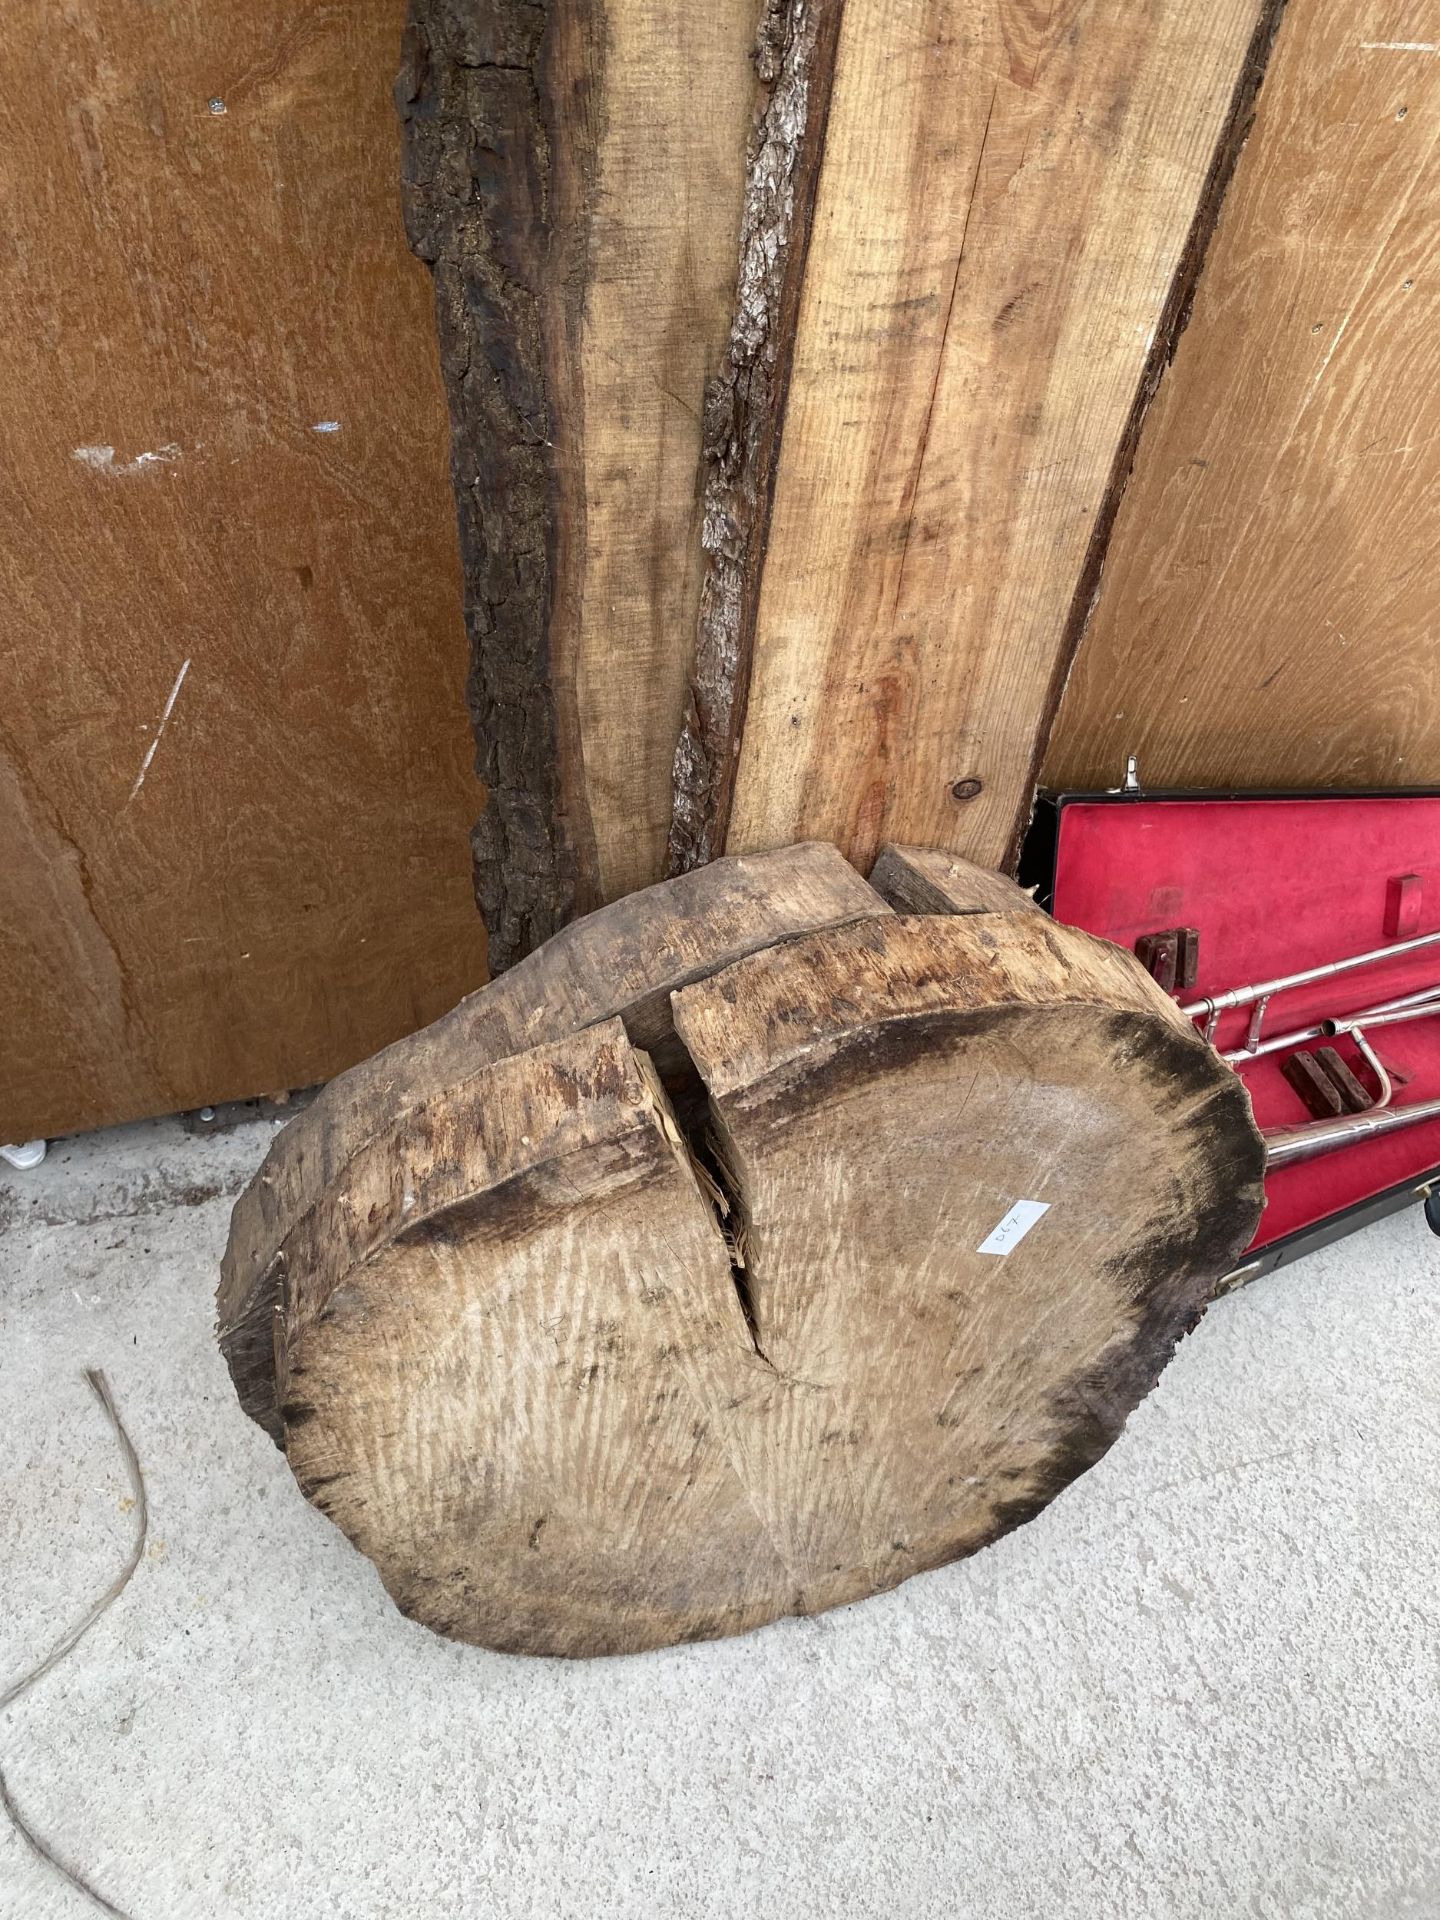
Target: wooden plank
[[1003, 202], [228, 566], [574, 176], [624, 960], [745, 409], [1266, 616], [843, 1352]]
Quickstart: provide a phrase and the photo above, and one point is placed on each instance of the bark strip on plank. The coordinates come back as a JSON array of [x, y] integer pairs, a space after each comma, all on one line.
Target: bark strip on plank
[[745, 409], [479, 186]]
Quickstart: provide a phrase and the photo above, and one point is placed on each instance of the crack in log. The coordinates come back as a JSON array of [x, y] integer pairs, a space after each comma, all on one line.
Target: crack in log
[[682, 1100], [722, 1184]]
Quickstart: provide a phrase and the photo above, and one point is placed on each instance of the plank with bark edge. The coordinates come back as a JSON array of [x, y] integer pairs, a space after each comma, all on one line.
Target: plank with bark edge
[[745, 409], [582, 222], [1006, 200]]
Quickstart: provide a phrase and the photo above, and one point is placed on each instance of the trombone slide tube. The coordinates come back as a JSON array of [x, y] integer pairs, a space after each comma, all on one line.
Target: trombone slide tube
[[1288, 1146], [1216, 1003]]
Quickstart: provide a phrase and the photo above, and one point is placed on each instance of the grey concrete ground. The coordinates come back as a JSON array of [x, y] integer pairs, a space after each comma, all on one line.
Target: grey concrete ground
[[1206, 1683]]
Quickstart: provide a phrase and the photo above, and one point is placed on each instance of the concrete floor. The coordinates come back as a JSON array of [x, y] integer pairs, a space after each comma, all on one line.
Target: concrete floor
[[1204, 1684]]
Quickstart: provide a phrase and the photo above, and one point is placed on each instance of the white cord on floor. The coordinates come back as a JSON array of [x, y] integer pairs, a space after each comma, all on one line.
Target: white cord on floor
[[71, 1638]]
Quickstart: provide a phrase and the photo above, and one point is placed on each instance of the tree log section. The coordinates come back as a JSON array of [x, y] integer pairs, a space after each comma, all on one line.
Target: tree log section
[[574, 1395], [1267, 612], [624, 960], [1004, 197], [574, 174]]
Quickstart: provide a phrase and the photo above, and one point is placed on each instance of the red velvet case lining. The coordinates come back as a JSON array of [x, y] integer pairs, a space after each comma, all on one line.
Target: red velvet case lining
[[1275, 886]]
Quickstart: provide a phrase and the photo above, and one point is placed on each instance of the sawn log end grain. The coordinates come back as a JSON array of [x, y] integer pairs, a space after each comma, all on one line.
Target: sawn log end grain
[[592, 1352]]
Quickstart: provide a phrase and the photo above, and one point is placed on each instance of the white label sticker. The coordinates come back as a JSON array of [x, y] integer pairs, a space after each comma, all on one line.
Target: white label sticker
[[1014, 1227]]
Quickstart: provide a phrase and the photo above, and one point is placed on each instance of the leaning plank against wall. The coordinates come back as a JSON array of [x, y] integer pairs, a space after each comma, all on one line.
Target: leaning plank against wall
[[573, 176], [1267, 611], [235, 782], [1005, 196]]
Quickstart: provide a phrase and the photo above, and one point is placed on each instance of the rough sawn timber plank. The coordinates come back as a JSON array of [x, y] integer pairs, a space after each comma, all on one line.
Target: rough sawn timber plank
[[1004, 198], [573, 176], [920, 880]]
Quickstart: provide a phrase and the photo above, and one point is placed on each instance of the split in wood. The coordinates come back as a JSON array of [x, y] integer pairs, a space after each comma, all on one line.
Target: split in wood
[[748, 1249]]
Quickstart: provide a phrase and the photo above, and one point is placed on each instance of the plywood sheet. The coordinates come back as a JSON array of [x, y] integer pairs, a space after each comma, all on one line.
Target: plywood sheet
[[235, 781], [1267, 610]]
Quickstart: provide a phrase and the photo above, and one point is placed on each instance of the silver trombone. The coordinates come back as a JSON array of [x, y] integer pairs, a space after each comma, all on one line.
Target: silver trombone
[[1289, 1146], [1410, 1006], [1389, 1013], [1259, 996]]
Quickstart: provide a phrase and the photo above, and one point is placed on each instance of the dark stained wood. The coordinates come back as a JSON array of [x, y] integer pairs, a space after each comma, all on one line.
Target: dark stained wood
[[781, 1366], [1267, 611], [624, 960], [580, 207], [222, 443], [920, 880]]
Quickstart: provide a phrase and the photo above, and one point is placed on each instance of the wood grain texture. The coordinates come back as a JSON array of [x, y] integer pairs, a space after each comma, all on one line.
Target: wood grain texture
[[1005, 194], [624, 960], [222, 438], [1267, 608], [921, 880], [574, 1394], [581, 214], [559, 1285], [673, 102], [745, 409]]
